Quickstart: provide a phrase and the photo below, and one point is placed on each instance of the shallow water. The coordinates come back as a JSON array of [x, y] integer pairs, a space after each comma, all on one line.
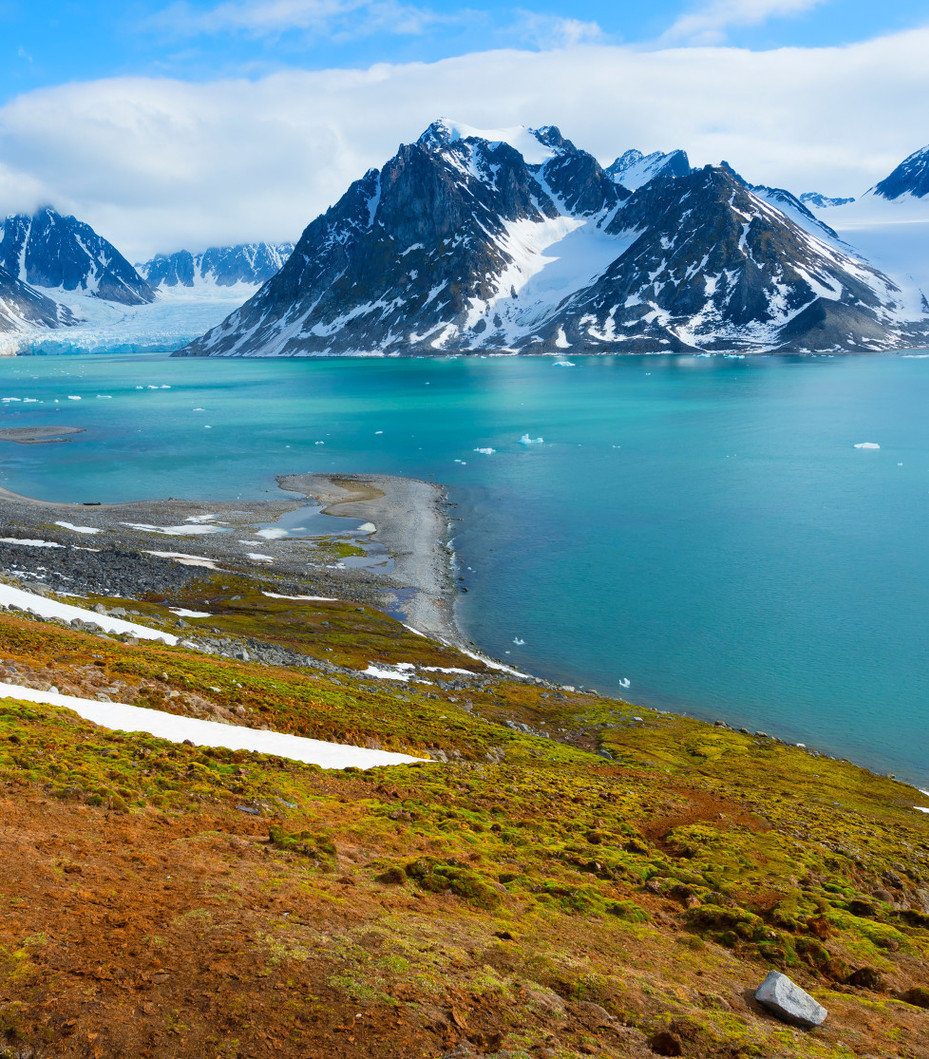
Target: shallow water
[[702, 527]]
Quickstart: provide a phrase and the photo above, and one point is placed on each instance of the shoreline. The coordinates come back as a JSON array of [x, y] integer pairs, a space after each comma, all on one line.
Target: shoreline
[[411, 523], [410, 576]]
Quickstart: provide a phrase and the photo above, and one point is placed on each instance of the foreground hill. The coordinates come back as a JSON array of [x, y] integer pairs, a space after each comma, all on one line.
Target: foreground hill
[[518, 241], [568, 876]]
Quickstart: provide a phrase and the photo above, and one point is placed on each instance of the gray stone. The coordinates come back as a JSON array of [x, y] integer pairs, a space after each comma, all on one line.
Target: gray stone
[[789, 1002]]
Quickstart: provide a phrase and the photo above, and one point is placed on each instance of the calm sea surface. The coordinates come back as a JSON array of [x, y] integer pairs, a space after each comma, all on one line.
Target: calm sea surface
[[704, 529]]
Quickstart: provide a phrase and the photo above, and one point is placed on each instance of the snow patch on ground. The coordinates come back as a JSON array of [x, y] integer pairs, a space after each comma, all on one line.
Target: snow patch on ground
[[77, 529], [51, 608], [125, 718]]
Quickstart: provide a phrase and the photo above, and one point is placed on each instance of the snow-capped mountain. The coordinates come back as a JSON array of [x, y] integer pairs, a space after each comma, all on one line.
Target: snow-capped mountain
[[633, 169], [514, 240], [815, 201], [62, 253], [22, 308], [220, 266], [911, 177], [889, 226]]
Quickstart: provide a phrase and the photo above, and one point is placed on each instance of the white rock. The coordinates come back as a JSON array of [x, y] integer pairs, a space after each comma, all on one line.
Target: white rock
[[789, 1002]]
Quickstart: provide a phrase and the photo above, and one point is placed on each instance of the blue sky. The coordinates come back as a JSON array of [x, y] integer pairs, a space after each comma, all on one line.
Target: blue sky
[[189, 123], [203, 39]]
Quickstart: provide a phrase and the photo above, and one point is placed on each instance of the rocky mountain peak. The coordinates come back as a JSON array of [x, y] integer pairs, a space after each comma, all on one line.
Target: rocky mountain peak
[[911, 177]]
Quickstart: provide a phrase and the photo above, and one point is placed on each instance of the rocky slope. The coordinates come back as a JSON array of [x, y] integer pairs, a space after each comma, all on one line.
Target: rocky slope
[[220, 266], [911, 177], [517, 241], [55, 252], [21, 307]]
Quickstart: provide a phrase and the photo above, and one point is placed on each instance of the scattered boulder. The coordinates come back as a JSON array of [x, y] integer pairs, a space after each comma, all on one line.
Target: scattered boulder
[[918, 995], [789, 1002]]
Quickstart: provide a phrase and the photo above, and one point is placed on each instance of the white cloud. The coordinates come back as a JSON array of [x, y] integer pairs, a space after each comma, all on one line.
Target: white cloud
[[553, 31], [264, 18], [709, 23], [159, 164]]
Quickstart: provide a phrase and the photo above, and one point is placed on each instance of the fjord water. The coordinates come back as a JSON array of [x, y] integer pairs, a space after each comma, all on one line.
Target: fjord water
[[703, 528]]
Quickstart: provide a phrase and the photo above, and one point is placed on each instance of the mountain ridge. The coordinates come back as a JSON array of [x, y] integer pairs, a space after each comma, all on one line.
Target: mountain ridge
[[460, 245]]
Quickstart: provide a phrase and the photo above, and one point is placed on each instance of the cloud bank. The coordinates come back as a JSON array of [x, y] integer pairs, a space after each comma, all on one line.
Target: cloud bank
[[156, 165]]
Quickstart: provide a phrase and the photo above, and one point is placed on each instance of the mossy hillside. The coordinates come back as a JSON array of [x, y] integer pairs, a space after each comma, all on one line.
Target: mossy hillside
[[525, 874]]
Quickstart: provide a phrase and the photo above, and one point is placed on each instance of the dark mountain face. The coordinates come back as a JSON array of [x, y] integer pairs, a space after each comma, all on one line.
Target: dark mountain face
[[48, 250], [21, 305], [460, 245], [713, 266], [222, 266], [911, 177]]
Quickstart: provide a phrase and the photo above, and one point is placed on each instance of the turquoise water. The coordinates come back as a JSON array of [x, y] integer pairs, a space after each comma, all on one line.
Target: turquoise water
[[703, 528]]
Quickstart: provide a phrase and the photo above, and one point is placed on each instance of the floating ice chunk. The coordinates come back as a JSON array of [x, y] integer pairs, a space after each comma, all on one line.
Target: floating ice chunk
[[30, 543], [624, 682], [207, 426], [192, 409], [104, 397], [526, 440], [77, 529], [486, 452], [867, 445], [378, 431], [73, 397], [564, 363], [464, 463], [319, 443], [518, 642]]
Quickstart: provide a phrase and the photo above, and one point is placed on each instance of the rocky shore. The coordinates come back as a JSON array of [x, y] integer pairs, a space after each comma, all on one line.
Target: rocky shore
[[400, 566]]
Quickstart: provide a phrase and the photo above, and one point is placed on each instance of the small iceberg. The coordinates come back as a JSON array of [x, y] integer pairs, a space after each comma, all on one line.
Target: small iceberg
[[487, 451], [564, 364], [867, 445], [518, 642], [526, 440], [624, 682]]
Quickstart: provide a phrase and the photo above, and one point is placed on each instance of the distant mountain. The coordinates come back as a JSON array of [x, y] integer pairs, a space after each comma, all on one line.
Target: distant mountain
[[514, 240], [633, 169], [797, 211], [220, 266], [911, 177], [21, 307], [817, 201], [63, 253]]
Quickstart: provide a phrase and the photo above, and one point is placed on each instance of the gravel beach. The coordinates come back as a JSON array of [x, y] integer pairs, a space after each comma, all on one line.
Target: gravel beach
[[401, 567]]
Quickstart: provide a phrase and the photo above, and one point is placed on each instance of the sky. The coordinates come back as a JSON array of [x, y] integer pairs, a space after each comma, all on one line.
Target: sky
[[189, 123]]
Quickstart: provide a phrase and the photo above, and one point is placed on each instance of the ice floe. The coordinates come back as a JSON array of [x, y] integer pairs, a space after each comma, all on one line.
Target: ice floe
[[486, 451], [526, 440], [125, 718], [867, 445]]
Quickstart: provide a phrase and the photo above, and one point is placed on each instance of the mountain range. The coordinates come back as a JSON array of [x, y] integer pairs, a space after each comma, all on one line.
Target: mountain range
[[220, 266], [517, 241]]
